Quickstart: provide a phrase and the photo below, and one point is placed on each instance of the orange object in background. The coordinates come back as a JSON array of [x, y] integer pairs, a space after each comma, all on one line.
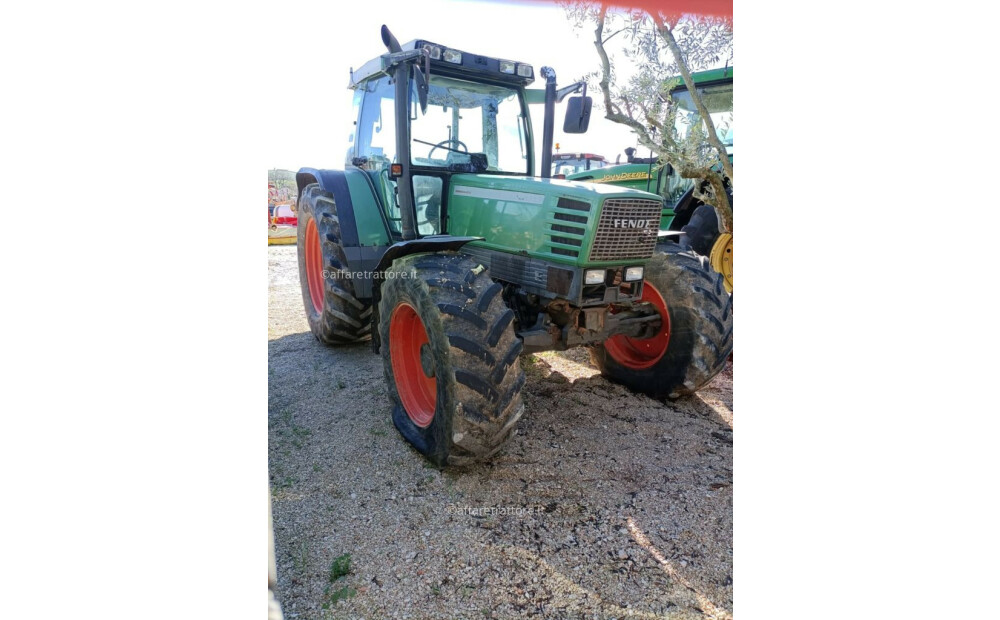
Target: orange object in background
[[710, 8]]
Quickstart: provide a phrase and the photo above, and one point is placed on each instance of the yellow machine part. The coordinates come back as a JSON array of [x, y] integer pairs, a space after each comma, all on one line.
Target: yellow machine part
[[721, 258]]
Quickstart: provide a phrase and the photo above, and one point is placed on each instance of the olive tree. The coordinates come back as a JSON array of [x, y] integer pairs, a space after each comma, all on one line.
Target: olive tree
[[660, 48]]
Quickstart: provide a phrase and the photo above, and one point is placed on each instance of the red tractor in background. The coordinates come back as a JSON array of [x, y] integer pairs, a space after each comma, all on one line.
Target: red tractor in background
[[282, 221]]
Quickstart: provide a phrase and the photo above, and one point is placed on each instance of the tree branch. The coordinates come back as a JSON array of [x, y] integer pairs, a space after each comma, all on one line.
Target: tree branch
[[710, 185], [613, 34], [713, 137], [605, 83]]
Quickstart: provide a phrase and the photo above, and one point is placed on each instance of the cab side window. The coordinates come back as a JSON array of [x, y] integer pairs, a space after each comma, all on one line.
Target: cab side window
[[376, 142]]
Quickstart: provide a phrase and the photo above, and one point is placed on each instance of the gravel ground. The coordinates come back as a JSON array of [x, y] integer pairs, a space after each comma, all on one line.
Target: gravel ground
[[606, 504]]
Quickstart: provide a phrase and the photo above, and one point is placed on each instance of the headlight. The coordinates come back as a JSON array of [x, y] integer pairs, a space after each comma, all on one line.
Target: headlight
[[633, 273], [525, 71], [435, 51], [593, 276], [506, 66], [453, 56]]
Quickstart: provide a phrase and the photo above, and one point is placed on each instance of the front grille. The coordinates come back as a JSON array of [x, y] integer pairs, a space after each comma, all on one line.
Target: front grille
[[627, 229]]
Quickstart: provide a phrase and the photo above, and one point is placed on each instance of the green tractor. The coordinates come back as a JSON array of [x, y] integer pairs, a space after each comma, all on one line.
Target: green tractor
[[564, 164], [682, 212], [438, 244]]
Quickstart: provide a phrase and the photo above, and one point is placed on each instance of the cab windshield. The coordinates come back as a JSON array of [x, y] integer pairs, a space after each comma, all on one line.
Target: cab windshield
[[572, 166], [718, 99], [467, 117]]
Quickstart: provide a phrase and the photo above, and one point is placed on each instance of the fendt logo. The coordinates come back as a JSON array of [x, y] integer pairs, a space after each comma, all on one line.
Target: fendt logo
[[631, 223]]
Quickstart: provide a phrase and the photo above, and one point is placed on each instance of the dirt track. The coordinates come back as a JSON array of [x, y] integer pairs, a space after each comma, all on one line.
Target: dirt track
[[616, 505]]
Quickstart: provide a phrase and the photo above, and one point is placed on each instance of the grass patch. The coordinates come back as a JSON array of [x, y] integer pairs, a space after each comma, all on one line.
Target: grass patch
[[289, 428], [338, 595], [301, 556], [339, 568]]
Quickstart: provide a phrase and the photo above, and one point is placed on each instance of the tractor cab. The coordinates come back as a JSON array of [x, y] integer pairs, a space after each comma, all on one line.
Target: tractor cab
[[463, 113], [471, 124], [715, 87]]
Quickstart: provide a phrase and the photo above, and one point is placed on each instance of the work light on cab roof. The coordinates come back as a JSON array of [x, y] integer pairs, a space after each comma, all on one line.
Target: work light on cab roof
[[478, 63], [449, 58]]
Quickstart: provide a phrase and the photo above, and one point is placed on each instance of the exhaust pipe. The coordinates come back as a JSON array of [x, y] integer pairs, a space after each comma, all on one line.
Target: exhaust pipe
[[390, 41], [548, 125]]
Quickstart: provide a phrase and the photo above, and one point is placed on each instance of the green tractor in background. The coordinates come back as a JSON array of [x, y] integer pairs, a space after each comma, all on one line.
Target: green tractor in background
[[682, 212], [565, 164], [438, 245]]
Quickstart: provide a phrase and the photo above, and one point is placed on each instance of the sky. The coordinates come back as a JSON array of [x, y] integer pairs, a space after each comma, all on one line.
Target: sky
[[313, 95]]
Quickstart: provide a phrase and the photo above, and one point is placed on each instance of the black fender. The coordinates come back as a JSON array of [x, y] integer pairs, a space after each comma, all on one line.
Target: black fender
[[335, 182], [437, 243], [683, 210], [687, 204]]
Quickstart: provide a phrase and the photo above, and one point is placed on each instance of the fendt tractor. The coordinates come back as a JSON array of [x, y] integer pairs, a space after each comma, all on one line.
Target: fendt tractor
[[438, 244], [683, 212]]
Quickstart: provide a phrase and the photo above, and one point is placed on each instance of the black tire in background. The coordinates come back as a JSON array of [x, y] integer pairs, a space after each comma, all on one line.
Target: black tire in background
[[335, 315], [450, 357], [701, 231], [700, 330]]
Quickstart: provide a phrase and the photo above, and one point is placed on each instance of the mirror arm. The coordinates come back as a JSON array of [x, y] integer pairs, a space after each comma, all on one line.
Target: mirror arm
[[569, 90]]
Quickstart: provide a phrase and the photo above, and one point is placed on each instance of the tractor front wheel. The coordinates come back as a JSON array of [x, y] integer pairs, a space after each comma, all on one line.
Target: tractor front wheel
[[695, 336], [450, 357]]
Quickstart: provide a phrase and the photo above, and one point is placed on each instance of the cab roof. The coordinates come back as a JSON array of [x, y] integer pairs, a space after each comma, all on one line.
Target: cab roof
[[562, 156], [471, 65], [711, 76]]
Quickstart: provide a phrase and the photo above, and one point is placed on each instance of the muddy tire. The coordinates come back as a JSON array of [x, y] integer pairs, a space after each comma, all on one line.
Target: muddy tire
[[335, 315], [692, 347], [701, 231], [450, 357]]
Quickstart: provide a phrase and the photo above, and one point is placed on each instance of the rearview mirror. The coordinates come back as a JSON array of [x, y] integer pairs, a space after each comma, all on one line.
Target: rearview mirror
[[577, 114], [421, 82]]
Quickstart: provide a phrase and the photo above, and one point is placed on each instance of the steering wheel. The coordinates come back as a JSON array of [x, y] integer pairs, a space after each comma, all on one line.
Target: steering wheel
[[445, 143]]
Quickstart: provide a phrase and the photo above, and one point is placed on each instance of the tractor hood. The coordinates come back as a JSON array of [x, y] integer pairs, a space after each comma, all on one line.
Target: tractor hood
[[543, 187], [555, 220]]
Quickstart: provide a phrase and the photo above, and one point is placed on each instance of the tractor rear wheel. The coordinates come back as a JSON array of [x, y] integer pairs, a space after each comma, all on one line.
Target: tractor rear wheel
[[335, 315], [721, 259], [701, 234], [696, 335], [450, 357]]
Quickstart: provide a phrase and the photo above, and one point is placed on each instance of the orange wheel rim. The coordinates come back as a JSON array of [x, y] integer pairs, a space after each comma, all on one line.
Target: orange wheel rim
[[314, 266], [411, 364], [640, 353]]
